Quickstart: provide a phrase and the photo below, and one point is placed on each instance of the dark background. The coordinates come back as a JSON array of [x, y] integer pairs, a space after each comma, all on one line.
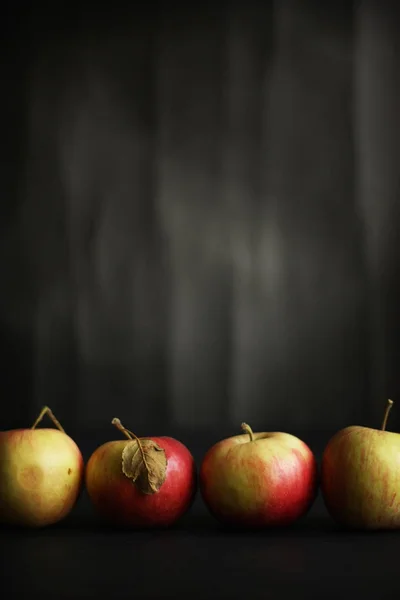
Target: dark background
[[199, 226]]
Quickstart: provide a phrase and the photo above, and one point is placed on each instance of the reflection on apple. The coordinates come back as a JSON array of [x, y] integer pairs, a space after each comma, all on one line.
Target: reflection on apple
[[259, 479], [360, 477]]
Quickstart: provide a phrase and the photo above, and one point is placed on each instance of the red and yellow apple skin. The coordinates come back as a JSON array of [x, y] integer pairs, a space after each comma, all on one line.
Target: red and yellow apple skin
[[41, 475], [266, 482], [120, 501], [360, 478]]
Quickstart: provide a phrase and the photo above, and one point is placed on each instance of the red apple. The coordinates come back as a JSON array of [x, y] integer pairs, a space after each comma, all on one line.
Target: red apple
[[41, 472], [259, 479], [360, 477], [141, 482]]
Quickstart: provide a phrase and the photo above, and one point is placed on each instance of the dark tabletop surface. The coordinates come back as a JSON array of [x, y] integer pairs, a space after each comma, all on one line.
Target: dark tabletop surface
[[83, 558]]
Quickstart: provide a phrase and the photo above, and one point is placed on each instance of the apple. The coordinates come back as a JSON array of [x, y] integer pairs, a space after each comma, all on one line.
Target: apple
[[141, 482], [41, 472], [360, 477], [259, 479]]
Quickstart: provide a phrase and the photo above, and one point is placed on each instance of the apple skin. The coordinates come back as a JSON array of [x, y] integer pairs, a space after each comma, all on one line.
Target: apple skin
[[41, 475], [360, 478], [118, 499], [270, 481]]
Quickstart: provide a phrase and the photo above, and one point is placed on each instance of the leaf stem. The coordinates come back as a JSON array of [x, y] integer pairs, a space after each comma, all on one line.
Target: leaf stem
[[131, 436], [47, 411]]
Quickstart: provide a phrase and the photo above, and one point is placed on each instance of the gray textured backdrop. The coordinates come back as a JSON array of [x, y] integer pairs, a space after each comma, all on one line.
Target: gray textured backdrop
[[200, 216]]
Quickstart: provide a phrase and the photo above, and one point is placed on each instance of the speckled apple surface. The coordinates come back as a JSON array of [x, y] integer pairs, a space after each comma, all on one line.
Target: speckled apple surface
[[360, 478], [41, 472], [120, 501], [269, 481]]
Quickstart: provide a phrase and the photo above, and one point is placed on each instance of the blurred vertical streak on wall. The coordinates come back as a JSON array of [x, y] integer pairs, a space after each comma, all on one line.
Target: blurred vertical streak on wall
[[251, 214], [116, 246], [193, 212], [44, 239], [300, 336], [17, 336], [377, 128]]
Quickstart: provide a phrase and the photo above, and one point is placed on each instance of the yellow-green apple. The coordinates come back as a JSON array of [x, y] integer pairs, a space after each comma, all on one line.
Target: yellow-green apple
[[259, 479], [41, 472], [141, 482], [360, 477]]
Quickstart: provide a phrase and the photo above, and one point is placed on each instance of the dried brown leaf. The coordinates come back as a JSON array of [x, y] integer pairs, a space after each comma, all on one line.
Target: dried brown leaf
[[145, 465]]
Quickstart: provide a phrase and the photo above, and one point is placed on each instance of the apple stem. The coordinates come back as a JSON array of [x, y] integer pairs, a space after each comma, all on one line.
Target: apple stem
[[131, 436], [247, 429], [125, 431], [386, 415], [47, 411]]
